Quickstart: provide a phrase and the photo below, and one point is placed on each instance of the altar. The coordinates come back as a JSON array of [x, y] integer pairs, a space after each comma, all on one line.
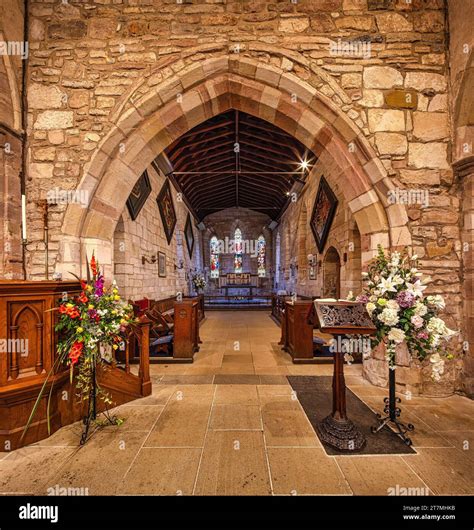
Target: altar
[[239, 281]]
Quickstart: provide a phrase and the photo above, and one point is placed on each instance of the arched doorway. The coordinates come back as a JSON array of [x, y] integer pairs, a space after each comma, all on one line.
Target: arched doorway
[[145, 128], [332, 274]]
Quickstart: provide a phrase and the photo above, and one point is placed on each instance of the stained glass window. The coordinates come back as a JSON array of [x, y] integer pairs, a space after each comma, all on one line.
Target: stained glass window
[[214, 244], [261, 247], [277, 260], [238, 254]]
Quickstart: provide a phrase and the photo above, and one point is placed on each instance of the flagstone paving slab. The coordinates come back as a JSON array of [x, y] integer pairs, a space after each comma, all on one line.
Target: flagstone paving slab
[[462, 440], [187, 379], [445, 471], [236, 395], [236, 417], [101, 463], [376, 475], [138, 418], [162, 471], [286, 424], [233, 463], [183, 422], [160, 395], [305, 471], [68, 436], [444, 417], [237, 379], [29, 470]]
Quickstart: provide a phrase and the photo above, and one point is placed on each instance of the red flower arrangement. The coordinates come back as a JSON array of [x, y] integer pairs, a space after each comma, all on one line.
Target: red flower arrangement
[[96, 317]]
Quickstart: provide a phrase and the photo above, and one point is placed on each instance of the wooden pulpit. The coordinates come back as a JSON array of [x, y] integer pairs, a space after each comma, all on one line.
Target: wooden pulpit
[[343, 320]]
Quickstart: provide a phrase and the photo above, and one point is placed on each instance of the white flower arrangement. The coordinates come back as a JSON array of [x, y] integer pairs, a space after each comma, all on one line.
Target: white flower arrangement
[[198, 281], [395, 300]]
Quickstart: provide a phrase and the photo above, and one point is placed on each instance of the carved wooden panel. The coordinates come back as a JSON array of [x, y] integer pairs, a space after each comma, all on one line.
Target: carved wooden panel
[[25, 337]]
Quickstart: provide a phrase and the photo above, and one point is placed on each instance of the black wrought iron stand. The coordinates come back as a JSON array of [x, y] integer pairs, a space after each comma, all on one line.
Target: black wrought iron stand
[[91, 408], [393, 413]]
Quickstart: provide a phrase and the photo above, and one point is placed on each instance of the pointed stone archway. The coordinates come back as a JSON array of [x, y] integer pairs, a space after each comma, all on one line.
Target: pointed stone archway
[[150, 120]]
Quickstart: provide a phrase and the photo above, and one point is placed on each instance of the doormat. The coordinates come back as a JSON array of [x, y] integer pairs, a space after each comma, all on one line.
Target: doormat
[[315, 395]]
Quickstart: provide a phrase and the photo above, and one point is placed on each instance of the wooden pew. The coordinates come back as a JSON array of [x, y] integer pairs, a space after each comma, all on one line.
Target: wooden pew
[[186, 330], [174, 333], [297, 333]]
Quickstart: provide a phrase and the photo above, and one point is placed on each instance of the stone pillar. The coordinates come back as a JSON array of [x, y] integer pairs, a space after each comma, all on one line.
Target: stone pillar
[[10, 206], [465, 171]]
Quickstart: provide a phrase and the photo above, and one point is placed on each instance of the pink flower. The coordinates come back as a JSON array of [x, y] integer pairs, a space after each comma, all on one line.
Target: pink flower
[[417, 321], [422, 335], [405, 299]]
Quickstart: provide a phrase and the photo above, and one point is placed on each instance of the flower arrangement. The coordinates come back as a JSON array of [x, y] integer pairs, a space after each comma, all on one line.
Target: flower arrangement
[[199, 283], [394, 298], [89, 325]]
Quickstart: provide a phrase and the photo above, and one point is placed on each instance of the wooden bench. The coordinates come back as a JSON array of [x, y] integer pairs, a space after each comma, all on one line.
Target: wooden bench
[[297, 337], [174, 332]]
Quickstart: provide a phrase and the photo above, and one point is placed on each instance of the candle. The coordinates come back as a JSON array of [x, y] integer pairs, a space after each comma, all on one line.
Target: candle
[[23, 217]]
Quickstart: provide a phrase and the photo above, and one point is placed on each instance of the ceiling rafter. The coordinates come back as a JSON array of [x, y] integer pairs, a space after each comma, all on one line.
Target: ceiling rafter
[[214, 176]]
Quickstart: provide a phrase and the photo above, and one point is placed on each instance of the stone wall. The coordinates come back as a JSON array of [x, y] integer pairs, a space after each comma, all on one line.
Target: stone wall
[[85, 59], [145, 236], [99, 69], [297, 241]]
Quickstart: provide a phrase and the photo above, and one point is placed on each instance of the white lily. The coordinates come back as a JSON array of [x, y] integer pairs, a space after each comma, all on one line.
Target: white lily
[[416, 289], [387, 285]]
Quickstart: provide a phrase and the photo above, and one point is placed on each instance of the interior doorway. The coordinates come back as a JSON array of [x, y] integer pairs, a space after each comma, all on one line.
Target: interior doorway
[[332, 274]]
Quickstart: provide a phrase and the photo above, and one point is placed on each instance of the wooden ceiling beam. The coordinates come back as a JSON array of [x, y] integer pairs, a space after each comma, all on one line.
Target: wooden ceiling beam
[[219, 154], [189, 145], [202, 167], [205, 164], [221, 165], [210, 189], [206, 149]]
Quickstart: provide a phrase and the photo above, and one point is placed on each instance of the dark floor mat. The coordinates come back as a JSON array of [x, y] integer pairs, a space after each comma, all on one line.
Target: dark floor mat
[[315, 395]]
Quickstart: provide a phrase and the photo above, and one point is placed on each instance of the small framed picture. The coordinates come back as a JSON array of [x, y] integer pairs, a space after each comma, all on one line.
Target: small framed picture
[[161, 264], [312, 272]]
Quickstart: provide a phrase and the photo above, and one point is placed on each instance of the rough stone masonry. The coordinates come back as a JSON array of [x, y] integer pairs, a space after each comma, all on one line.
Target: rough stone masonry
[[384, 66]]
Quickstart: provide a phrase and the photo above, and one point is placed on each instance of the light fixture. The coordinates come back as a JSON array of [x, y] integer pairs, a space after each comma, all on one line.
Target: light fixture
[[152, 259], [304, 164]]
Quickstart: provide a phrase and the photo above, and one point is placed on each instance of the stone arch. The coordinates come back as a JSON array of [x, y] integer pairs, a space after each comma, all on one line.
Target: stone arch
[[331, 273], [209, 87], [10, 163], [10, 103]]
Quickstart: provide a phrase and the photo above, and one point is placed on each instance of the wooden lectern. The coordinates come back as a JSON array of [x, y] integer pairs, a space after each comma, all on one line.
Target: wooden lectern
[[342, 320]]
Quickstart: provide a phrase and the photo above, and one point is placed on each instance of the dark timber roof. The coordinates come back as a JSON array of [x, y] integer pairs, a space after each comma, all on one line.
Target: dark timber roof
[[237, 160]]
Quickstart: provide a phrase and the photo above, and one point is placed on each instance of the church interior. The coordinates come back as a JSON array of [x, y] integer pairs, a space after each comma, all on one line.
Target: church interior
[[236, 255]]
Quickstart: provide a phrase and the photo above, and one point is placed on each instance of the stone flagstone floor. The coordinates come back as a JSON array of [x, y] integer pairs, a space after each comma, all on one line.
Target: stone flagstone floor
[[229, 425]]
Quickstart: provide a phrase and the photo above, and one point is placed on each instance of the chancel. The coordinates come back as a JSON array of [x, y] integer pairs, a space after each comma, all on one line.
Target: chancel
[[236, 255]]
